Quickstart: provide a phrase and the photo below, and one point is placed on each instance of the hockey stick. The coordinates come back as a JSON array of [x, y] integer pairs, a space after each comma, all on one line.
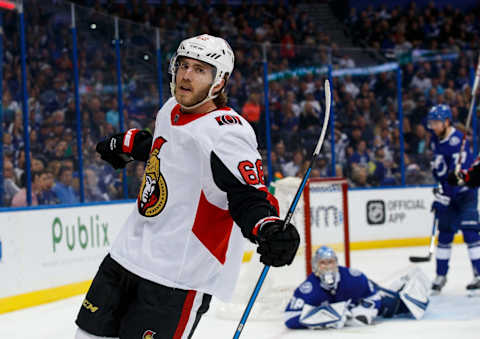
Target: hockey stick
[[432, 245], [458, 167], [289, 215]]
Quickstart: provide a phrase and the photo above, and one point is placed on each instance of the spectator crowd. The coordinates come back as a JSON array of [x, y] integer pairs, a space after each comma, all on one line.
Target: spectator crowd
[[366, 130]]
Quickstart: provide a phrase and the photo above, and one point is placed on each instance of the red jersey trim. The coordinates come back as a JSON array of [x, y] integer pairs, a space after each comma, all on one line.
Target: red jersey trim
[[466, 177], [213, 227], [259, 224], [186, 310], [178, 118], [271, 199], [128, 138]]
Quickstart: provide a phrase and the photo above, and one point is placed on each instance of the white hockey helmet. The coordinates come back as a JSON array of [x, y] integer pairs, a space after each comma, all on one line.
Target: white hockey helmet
[[212, 50], [325, 267]]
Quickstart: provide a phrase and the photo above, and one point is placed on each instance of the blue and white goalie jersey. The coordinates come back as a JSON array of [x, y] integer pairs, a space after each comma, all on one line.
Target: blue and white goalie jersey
[[352, 286], [446, 153]]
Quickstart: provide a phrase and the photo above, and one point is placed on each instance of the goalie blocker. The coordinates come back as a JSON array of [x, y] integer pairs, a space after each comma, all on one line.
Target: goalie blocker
[[350, 298]]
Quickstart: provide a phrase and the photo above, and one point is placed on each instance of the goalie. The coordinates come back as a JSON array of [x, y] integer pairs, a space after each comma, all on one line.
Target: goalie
[[335, 296]]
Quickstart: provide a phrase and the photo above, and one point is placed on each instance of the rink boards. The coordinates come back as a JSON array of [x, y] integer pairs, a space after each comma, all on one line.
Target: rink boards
[[50, 254]]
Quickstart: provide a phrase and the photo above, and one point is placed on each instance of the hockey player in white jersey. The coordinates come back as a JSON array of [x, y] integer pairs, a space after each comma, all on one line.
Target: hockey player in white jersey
[[202, 193]]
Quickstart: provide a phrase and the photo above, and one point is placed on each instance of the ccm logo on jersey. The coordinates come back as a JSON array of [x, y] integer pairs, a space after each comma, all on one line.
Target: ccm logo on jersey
[[89, 306], [228, 120]]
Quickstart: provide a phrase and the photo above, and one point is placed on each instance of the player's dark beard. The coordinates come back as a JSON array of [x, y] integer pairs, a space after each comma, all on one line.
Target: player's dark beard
[[199, 96]]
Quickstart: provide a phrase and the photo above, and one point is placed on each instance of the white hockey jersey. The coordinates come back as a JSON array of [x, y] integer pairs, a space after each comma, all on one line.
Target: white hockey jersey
[[181, 233]]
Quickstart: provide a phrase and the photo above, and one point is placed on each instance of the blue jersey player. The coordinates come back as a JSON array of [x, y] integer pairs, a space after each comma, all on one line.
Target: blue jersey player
[[455, 207], [470, 178], [333, 296]]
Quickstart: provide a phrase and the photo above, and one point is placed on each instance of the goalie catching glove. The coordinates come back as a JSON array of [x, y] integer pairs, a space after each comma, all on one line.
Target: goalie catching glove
[[276, 246], [120, 149]]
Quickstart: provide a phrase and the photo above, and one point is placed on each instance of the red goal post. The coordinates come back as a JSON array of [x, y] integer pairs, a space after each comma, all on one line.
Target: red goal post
[[321, 216]]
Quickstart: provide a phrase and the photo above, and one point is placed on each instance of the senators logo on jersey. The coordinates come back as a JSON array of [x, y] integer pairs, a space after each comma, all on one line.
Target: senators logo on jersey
[[153, 191]]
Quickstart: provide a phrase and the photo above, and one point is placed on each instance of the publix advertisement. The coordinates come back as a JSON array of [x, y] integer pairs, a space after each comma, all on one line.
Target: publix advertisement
[[44, 248]]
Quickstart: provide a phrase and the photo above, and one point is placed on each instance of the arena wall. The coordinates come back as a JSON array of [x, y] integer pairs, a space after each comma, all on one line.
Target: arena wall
[[50, 254]]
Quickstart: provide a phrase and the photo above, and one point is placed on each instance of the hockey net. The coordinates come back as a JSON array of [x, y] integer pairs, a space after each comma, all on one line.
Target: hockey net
[[321, 218]]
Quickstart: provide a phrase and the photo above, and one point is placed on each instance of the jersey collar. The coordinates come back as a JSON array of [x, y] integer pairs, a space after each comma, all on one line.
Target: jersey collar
[[178, 118]]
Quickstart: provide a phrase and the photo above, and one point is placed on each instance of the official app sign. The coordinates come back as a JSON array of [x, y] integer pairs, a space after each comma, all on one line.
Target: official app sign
[[375, 212], [394, 211]]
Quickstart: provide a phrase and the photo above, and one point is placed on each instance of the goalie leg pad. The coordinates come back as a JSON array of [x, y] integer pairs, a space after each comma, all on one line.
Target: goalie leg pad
[[390, 300], [390, 303], [415, 293], [330, 316]]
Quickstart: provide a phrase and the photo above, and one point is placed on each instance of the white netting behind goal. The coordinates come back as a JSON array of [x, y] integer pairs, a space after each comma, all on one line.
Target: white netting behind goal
[[327, 225]]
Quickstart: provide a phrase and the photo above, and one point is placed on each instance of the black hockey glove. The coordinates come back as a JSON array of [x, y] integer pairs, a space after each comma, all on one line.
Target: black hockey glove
[[277, 247], [120, 149], [456, 178]]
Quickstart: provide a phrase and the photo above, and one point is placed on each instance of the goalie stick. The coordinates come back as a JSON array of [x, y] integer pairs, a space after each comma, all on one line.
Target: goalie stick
[[458, 167], [432, 245], [253, 297]]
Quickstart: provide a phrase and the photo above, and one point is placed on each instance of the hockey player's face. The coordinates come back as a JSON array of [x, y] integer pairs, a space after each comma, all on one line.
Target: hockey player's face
[[439, 127], [327, 265], [193, 81], [326, 270]]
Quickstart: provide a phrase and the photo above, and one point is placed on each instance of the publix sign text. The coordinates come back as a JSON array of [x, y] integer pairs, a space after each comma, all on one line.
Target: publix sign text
[[90, 234]]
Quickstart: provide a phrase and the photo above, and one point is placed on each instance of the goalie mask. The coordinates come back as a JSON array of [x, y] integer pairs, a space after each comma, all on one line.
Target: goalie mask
[[211, 50], [325, 267]]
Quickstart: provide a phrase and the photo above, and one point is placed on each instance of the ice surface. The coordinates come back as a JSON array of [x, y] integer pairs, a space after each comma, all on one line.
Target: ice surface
[[450, 315]]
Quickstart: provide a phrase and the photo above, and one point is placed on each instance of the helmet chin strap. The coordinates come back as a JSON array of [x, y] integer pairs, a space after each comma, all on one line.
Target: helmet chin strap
[[207, 98]]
